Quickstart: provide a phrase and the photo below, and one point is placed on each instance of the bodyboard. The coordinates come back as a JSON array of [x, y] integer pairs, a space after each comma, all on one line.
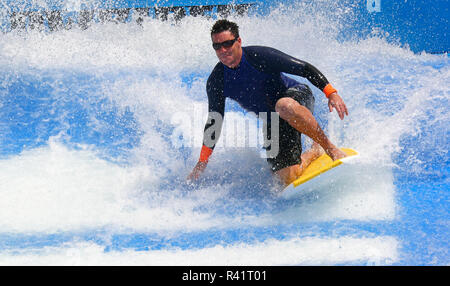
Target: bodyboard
[[319, 172]]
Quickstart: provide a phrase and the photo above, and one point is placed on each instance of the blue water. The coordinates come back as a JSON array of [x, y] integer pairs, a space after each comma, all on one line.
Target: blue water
[[91, 171]]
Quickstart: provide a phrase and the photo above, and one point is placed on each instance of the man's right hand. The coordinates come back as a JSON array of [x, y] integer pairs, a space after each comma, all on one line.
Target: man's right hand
[[198, 170], [335, 101]]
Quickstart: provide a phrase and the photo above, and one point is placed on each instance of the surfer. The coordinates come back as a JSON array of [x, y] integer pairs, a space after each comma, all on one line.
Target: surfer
[[254, 77]]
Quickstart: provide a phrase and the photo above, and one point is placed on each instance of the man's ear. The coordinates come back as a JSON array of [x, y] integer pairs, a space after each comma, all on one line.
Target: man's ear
[[239, 40]]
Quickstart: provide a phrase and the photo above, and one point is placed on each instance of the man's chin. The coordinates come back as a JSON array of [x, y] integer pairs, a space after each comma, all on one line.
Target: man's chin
[[226, 61]]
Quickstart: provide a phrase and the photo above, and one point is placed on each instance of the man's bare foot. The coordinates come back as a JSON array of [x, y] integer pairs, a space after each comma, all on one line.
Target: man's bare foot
[[311, 155], [335, 153], [317, 150], [288, 174]]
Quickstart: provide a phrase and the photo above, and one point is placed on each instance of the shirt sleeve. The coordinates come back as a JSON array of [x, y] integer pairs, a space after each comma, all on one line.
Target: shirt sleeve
[[216, 107], [272, 61]]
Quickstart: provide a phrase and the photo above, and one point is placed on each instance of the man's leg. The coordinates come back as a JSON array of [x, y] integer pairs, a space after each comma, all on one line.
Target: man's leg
[[289, 174], [302, 119]]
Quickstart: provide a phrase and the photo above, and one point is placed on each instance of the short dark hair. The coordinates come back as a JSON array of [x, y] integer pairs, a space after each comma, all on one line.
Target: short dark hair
[[225, 25]]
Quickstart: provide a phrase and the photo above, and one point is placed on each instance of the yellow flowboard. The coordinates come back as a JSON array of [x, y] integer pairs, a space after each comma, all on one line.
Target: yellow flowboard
[[321, 165]]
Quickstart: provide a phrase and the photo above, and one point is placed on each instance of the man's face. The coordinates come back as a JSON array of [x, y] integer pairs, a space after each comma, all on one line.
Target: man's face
[[231, 56]]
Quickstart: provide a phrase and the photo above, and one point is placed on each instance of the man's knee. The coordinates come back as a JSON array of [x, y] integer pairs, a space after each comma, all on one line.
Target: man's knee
[[286, 107], [289, 108]]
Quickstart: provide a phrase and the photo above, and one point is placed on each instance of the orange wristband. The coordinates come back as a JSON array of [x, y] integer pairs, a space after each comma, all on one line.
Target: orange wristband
[[205, 153], [329, 89]]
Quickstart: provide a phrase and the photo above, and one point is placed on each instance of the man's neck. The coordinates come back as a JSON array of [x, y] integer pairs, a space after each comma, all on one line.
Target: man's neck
[[236, 65]]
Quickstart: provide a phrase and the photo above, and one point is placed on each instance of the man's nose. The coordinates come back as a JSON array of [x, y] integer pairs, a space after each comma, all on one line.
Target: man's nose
[[222, 49]]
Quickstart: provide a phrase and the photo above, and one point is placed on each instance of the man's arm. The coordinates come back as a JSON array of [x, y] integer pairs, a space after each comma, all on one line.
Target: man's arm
[[272, 60], [213, 126]]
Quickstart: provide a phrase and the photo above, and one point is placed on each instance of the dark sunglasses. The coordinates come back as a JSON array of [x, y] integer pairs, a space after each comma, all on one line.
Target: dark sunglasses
[[225, 44]]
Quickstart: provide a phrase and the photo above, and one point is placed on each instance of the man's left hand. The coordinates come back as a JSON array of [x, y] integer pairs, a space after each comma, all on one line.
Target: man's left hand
[[335, 101]]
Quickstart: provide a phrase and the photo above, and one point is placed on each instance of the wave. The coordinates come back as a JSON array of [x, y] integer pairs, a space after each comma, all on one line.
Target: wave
[[92, 141]]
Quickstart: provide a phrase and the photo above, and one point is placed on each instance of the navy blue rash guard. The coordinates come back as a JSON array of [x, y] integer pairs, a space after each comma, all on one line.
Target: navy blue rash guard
[[256, 83]]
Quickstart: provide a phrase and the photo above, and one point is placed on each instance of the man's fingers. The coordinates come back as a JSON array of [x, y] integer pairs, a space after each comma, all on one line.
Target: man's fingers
[[344, 110], [192, 176], [339, 111], [336, 102], [340, 107]]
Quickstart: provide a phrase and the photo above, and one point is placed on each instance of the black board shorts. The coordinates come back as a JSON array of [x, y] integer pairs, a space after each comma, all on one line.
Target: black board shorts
[[290, 144]]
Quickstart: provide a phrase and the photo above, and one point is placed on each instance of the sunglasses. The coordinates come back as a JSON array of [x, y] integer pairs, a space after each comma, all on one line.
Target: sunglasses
[[225, 44]]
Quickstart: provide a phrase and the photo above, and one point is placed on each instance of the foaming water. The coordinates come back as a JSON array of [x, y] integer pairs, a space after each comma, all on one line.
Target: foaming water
[[90, 127], [316, 251]]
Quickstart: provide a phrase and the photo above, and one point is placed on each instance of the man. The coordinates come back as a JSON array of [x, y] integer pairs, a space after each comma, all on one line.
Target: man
[[253, 76]]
